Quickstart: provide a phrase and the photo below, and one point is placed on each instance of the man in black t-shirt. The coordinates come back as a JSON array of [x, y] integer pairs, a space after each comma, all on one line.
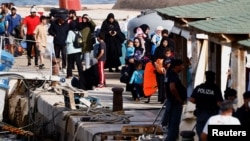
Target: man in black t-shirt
[[176, 97], [207, 97]]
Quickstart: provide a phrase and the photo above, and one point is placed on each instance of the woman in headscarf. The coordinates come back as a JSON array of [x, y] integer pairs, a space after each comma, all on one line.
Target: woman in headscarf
[[138, 55], [113, 39], [139, 50], [87, 28], [148, 44], [158, 59]]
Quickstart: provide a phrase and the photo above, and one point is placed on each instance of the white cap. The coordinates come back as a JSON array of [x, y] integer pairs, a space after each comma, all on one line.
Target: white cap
[[159, 28], [13, 7], [33, 9]]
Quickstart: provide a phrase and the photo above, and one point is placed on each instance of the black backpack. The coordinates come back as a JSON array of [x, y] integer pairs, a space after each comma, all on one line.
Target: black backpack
[[78, 41]]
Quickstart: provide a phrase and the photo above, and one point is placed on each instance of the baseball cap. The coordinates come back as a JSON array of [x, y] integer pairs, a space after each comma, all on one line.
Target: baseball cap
[[33, 9], [13, 8]]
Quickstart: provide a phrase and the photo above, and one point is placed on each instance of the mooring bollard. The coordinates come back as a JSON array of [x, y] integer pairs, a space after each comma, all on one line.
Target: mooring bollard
[[187, 135], [117, 99]]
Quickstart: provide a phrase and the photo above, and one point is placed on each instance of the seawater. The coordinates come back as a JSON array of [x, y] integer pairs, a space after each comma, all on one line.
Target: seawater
[[55, 2]]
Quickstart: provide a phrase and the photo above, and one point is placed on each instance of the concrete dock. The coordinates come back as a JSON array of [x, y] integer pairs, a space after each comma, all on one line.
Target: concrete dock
[[69, 123]]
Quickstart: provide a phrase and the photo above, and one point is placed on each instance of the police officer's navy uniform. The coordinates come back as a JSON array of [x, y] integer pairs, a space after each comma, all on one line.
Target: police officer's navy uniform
[[206, 96]]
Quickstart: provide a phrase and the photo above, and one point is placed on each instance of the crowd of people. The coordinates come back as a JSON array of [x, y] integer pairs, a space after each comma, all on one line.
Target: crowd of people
[[143, 48], [63, 25]]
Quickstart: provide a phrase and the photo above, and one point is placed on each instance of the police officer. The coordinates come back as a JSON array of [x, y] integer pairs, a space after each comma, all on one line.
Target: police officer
[[207, 97]]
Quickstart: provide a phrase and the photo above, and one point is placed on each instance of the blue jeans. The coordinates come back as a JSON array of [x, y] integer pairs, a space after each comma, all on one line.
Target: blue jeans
[[174, 110]]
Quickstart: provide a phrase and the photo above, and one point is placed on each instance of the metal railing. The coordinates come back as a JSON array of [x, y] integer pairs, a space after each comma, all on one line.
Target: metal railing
[[20, 62]]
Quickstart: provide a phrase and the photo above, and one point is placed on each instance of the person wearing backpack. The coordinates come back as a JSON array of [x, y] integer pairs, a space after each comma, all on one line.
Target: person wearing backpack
[[73, 52]]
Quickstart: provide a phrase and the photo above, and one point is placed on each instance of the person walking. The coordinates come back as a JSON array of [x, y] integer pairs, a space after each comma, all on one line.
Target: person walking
[[176, 97], [40, 35], [59, 29], [73, 53], [113, 39], [207, 97], [14, 20], [137, 81], [31, 22]]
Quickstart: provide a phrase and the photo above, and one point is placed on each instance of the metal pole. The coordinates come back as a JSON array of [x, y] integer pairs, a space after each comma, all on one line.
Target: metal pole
[[158, 114]]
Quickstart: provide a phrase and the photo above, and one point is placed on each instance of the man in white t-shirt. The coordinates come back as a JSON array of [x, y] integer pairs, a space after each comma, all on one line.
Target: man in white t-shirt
[[223, 118]]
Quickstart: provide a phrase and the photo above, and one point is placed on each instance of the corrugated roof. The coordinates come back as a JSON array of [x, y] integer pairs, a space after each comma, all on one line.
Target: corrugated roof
[[224, 16], [245, 43], [229, 25], [213, 9]]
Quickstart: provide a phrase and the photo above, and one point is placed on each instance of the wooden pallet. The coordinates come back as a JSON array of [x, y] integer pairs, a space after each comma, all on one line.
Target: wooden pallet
[[117, 136], [71, 97], [141, 129], [130, 133]]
